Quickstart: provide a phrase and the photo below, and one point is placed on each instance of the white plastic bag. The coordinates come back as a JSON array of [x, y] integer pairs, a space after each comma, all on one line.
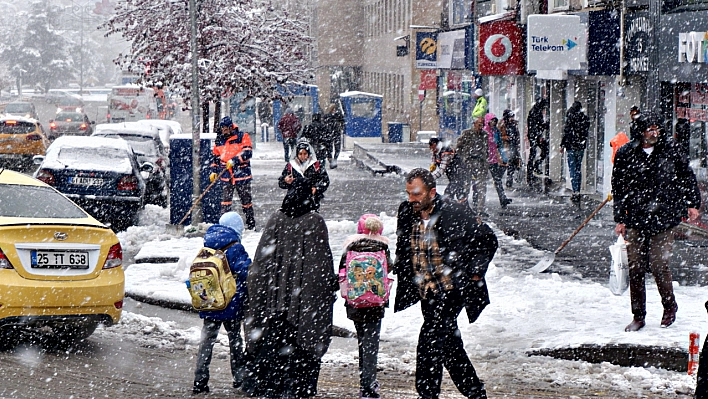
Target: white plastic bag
[[619, 270]]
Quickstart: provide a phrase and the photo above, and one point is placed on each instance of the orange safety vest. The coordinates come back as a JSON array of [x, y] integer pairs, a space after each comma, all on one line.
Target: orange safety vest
[[618, 141], [235, 147]]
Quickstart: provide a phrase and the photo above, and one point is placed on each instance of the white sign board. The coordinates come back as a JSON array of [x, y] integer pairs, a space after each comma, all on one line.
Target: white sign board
[[451, 50], [555, 42]]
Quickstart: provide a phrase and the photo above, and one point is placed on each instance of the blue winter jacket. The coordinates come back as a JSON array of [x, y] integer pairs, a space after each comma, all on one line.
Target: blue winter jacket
[[217, 237]]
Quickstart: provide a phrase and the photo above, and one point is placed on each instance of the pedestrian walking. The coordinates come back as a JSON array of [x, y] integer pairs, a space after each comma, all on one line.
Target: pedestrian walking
[[292, 286], [653, 188], [317, 135], [472, 147], [574, 141], [225, 236], [367, 320], [334, 120], [303, 173], [480, 106], [497, 158], [509, 128], [537, 129], [446, 161], [289, 126], [442, 255], [233, 151]]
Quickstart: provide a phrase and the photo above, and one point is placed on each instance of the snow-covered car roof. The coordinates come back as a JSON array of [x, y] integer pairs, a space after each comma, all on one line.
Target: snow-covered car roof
[[95, 153], [133, 128], [17, 118]]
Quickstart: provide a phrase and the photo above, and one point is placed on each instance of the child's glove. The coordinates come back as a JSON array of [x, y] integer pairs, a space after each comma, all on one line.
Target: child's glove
[[212, 177], [433, 167]]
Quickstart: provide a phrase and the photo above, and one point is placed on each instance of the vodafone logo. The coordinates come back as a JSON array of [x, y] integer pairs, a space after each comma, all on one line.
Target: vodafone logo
[[497, 48]]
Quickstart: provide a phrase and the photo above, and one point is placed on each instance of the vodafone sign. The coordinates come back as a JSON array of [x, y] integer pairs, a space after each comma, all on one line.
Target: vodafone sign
[[501, 49]]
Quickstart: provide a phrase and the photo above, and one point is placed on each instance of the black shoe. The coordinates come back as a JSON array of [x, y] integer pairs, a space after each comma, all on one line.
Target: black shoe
[[505, 202], [635, 325], [200, 389], [669, 317], [575, 198]]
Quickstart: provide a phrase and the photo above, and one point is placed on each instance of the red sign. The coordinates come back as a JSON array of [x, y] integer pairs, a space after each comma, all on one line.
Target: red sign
[[428, 79], [421, 93], [501, 45]]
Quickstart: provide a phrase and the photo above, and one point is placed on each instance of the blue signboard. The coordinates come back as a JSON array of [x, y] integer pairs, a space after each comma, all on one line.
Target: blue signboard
[[603, 43], [426, 50]]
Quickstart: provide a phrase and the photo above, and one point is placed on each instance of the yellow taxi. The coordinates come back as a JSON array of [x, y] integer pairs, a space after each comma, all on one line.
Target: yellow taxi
[[60, 269], [20, 140]]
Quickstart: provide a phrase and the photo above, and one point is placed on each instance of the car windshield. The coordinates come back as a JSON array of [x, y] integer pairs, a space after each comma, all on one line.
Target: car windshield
[[16, 127], [141, 145], [74, 155], [22, 108], [69, 117], [36, 202]]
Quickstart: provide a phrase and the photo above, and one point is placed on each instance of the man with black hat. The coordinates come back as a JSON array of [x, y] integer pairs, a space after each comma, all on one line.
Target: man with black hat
[[653, 189], [233, 150]]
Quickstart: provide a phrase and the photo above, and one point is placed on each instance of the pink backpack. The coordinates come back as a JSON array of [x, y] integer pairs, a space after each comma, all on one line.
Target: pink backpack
[[364, 282]]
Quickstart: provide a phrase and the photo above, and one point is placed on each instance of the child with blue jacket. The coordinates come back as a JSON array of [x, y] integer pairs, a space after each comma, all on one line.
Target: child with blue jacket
[[227, 233]]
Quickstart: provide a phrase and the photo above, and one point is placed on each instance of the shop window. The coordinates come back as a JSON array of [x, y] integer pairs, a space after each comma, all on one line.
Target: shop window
[[684, 5], [560, 5]]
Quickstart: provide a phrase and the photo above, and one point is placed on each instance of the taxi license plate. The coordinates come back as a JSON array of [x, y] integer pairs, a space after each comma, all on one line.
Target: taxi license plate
[[86, 181], [60, 259]]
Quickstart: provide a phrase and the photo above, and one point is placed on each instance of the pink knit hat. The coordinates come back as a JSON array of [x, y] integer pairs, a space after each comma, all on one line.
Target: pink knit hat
[[369, 224]]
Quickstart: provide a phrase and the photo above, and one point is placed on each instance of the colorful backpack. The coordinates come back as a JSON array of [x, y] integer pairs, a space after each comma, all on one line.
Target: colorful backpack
[[211, 283], [364, 282]]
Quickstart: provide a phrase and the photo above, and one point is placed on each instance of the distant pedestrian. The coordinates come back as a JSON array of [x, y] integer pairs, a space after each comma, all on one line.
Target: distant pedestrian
[[367, 320], [702, 373], [318, 136], [288, 325], [498, 158], [537, 129], [233, 151], [480, 106], [653, 188], [682, 137], [574, 141], [442, 255], [225, 236], [509, 128], [472, 147], [446, 161], [334, 120], [289, 126], [634, 114], [303, 173], [616, 143]]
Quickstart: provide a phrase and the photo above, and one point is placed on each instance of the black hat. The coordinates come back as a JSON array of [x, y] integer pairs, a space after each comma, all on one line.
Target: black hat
[[433, 141], [651, 119], [303, 145]]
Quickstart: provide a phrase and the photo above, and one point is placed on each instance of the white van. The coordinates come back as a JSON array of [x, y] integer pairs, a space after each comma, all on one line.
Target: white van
[[129, 103]]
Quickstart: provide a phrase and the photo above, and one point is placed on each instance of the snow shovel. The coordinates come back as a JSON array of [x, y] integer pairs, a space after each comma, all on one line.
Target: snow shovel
[[548, 259], [201, 196]]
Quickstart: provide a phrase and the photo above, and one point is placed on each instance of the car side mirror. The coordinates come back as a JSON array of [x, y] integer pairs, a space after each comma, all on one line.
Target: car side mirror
[[38, 159], [147, 167]]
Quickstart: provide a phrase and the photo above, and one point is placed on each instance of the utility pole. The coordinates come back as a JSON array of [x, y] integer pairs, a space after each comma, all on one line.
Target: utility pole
[[653, 83], [196, 136]]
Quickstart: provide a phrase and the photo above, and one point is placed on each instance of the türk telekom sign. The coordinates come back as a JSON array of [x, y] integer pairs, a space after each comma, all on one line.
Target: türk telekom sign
[[555, 42], [501, 48]]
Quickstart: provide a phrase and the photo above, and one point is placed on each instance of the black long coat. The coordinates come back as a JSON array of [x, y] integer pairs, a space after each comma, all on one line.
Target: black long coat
[[652, 193], [575, 131], [466, 248]]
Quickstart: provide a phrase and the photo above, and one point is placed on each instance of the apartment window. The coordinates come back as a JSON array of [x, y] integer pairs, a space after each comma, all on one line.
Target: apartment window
[[560, 5], [460, 11]]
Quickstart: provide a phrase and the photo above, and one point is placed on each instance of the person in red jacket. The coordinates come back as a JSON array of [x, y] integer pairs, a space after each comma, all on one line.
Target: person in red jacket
[[233, 150], [289, 126]]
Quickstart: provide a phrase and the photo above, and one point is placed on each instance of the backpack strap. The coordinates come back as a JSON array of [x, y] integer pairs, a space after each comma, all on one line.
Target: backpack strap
[[317, 166], [228, 246]]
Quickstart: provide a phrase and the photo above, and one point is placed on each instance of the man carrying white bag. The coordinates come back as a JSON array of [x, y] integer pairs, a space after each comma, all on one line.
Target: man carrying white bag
[[619, 269]]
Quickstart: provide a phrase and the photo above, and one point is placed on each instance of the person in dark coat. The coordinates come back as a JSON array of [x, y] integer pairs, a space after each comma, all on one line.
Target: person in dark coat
[[441, 263], [288, 323], [446, 161], [334, 120], [574, 141], [509, 128], [537, 127], [226, 234], [318, 136], [289, 126], [303, 176], [367, 321], [653, 189], [702, 374]]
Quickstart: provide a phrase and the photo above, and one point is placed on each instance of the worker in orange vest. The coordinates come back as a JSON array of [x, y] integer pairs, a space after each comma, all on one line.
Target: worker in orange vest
[[233, 150]]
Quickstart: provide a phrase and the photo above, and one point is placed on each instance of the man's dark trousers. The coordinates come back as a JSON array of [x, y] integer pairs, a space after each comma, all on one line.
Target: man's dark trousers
[[440, 344]]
